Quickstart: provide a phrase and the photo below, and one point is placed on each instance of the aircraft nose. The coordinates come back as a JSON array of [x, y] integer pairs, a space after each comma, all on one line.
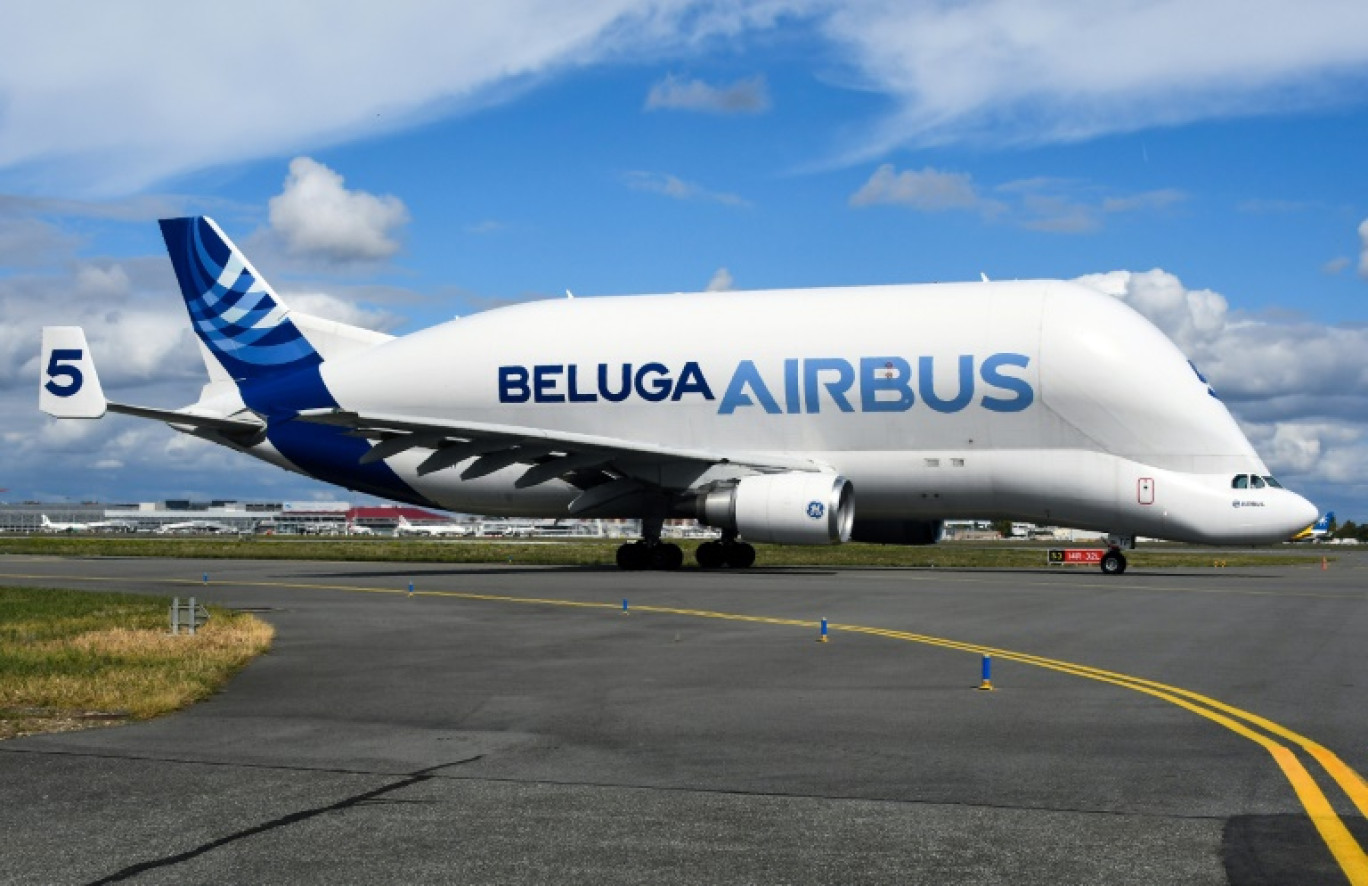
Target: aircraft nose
[[1300, 513]]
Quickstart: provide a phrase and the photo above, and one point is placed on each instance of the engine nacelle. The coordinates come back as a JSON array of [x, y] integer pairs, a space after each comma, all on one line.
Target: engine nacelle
[[898, 532], [792, 508]]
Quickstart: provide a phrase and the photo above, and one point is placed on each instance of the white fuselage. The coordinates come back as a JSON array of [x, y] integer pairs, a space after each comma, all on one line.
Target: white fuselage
[[1038, 400]]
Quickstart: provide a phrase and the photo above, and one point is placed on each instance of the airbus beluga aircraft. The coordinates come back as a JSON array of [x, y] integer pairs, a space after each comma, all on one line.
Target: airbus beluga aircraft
[[810, 416]]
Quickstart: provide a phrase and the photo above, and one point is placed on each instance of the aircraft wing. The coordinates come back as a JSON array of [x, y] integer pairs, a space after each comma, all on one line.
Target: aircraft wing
[[550, 453]]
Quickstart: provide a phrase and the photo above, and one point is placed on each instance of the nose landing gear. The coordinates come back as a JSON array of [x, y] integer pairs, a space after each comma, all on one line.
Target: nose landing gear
[[1114, 562]]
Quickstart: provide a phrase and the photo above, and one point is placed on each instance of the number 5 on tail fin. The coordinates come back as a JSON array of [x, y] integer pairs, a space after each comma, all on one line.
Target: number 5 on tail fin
[[68, 386]]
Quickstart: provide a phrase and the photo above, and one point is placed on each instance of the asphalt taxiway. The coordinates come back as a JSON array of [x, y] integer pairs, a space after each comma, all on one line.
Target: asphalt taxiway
[[512, 725]]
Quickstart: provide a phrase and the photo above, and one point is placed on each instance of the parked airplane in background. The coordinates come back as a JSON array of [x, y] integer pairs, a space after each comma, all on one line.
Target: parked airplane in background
[[49, 526], [354, 528], [793, 416], [1318, 531], [434, 529], [195, 527], [96, 526]]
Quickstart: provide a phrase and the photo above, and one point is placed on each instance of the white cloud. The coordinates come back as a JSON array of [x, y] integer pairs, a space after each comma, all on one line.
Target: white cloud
[[721, 281], [26, 242], [488, 226], [179, 87], [186, 86], [1054, 205], [673, 186], [1269, 207], [1297, 447], [1052, 70], [1057, 213], [748, 96], [133, 319], [1332, 455], [1336, 265], [1363, 254], [1192, 318], [317, 216], [144, 208], [1299, 389], [330, 307], [929, 190], [1146, 200]]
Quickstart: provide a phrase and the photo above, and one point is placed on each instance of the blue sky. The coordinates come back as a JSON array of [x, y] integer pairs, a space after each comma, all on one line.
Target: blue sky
[[397, 166]]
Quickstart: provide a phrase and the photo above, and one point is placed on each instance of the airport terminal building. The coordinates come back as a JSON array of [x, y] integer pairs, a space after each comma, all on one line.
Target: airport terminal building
[[284, 518], [339, 518], [215, 516]]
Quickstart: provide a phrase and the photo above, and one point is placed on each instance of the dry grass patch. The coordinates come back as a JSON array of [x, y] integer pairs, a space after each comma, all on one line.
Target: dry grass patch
[[70, 660]]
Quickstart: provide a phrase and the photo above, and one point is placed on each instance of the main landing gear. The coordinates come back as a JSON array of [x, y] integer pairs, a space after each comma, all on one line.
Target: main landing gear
[[650, 552], [645, 554], [725, 552]]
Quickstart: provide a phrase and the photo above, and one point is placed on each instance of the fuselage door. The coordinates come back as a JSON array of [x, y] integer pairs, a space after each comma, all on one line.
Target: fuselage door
[[1144, 490]]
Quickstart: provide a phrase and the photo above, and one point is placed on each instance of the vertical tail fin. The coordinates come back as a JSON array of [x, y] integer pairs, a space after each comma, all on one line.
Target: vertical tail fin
[[242, 323]]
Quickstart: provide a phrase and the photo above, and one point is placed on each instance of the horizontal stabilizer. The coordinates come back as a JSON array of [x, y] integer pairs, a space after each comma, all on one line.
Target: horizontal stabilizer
[[68, 386], [237, 425]]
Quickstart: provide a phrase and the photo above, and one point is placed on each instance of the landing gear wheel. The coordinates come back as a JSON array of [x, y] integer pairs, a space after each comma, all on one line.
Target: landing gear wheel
[[638, 555], [740, 555], [1113, 563], [666, 556], [711, 555], [633, 556]]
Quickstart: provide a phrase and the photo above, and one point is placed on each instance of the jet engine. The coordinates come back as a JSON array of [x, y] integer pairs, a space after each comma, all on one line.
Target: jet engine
[[898, 532], [791, 508]]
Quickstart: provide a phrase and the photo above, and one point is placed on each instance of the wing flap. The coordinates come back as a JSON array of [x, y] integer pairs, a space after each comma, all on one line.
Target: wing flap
[[559, 466], [452, 454], [497, 461]]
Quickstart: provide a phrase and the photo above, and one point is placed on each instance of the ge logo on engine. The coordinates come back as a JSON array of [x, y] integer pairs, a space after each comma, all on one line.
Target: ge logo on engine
[[816, 510]]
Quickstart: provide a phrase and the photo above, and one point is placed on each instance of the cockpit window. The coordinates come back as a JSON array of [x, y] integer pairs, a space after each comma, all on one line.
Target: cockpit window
[[1253, 481]]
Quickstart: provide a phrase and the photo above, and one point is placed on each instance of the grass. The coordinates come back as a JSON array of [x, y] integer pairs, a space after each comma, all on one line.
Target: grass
[[600, 552], [70, 660]]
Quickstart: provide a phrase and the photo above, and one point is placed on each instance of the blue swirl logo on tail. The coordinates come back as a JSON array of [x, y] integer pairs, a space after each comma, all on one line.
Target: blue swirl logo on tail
[[278, 372], [234, 312]]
